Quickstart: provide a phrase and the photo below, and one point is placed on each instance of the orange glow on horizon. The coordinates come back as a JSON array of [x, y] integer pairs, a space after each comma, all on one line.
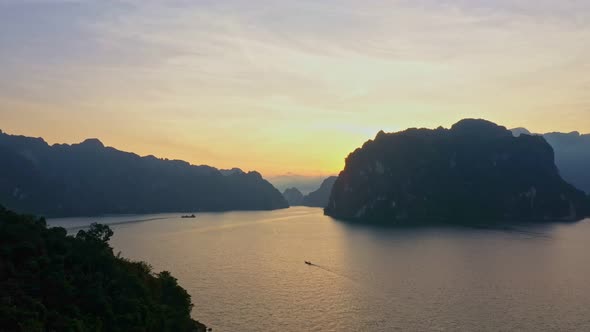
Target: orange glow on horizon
[[223, 85]]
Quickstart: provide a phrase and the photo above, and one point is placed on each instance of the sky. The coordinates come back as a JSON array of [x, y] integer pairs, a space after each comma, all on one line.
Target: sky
[[286, 87]]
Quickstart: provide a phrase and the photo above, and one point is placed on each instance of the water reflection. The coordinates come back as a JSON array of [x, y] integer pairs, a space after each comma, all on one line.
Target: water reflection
[[246, 272]]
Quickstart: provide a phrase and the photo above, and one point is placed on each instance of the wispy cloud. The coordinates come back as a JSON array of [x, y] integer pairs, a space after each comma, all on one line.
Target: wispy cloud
[[254, 73]]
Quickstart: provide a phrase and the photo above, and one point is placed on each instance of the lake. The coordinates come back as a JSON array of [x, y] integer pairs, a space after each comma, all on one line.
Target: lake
[[246, 272]]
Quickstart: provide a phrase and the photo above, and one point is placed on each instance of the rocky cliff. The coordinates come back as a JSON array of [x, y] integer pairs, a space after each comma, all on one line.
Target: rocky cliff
[[476, 171]]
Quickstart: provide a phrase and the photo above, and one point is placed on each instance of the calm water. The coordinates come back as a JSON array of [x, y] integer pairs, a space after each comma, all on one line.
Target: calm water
[[246, 272]]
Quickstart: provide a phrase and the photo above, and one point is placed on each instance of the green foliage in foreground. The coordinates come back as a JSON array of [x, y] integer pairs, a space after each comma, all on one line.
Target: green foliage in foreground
[[53, 282]]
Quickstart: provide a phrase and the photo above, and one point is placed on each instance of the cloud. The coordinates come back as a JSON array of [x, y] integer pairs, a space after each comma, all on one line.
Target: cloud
[[254, 73]]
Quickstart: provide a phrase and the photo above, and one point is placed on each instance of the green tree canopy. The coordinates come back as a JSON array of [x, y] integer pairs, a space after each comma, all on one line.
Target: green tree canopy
[[50, 281]]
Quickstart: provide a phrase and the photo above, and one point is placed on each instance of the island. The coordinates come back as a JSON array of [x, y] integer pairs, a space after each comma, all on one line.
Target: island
[[476, 171]]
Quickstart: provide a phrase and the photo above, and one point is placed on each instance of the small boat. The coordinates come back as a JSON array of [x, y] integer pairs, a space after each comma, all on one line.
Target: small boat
[[187, 216], [308, 263]]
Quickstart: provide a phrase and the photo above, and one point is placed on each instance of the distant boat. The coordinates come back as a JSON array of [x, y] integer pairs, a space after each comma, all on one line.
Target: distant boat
[[308, 263], [187, 216]]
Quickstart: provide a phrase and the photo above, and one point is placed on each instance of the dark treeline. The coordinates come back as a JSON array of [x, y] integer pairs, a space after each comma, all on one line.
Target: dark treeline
[[50, 281]]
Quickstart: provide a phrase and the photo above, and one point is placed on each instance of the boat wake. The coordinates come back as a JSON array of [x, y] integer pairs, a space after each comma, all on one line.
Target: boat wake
[[85, 226], [375, 292], [334, 272]]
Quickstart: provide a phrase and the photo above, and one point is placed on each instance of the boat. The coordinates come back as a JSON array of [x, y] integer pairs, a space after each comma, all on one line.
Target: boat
[[308, 263], [188, 216]]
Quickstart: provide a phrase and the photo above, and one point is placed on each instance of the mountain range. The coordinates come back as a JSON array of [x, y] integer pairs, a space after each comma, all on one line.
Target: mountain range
[[316, 198], [88, 179]]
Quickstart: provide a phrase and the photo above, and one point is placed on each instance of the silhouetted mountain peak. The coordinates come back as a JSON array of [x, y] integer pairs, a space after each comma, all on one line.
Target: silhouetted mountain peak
[[293, 196], [232, 171], [574, 134], [380, 134], [479, 128], [292, 190], [92, 143], [519, 131], [22, 141], [254, 174]]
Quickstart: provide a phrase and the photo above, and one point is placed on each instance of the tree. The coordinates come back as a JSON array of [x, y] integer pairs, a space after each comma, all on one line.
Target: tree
[[97, 232]]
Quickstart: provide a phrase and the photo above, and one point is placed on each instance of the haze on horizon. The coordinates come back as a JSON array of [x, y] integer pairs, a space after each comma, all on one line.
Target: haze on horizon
[[286, 87]]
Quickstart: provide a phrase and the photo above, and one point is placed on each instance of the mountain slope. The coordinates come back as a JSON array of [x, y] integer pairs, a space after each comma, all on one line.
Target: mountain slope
[[91, 179], [475, 171], [572, 155], [321, 196]]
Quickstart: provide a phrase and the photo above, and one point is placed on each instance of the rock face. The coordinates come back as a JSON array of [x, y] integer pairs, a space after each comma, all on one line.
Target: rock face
[[90, 179], [476, 171], [320, 197], [293, 196], [572, 155]]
